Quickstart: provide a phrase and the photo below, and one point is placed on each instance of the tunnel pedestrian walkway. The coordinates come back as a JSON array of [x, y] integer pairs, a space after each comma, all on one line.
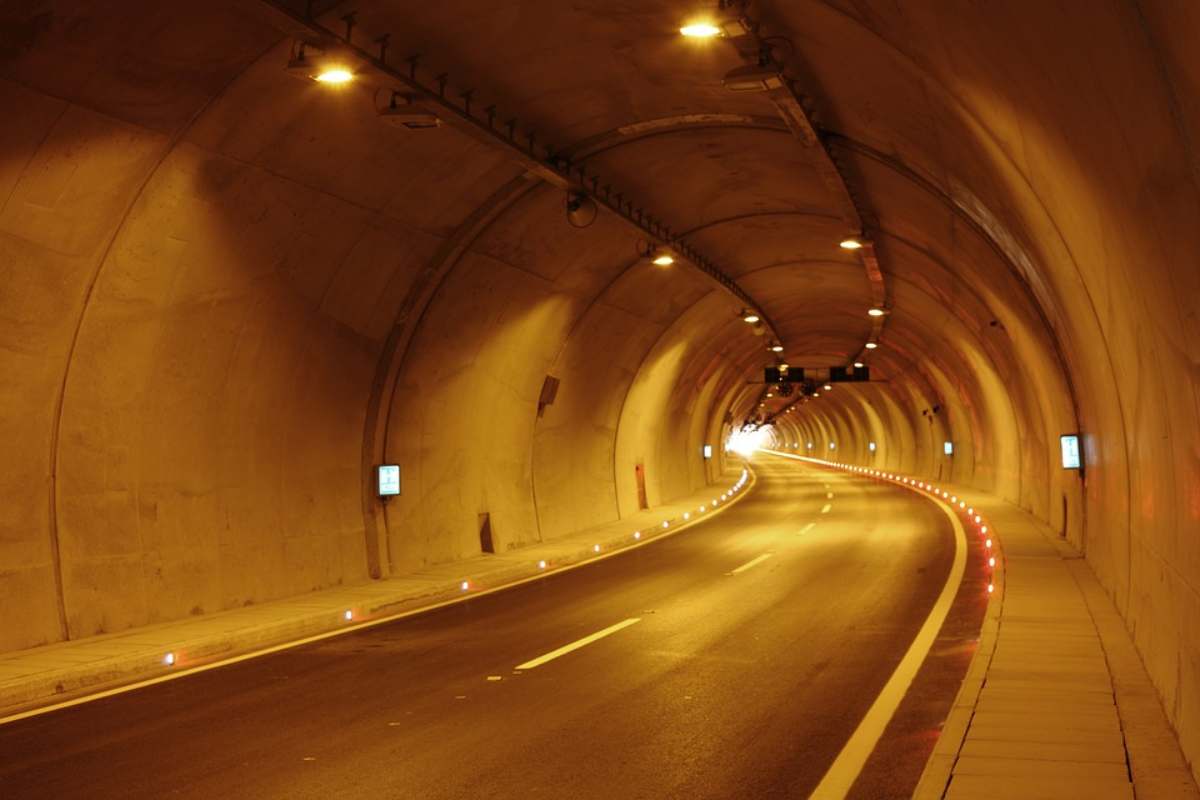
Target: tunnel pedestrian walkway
[[1056, 703], [34, 679]]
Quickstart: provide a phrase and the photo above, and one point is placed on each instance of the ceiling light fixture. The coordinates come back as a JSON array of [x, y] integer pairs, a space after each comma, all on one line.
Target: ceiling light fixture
[[322, 69], [875, 312], [749, 316], [581, 209], [700, 30], [858, 365], [660, 256], [851, 243], [334, 75], [753, 78], [871, 345], [404, 112]]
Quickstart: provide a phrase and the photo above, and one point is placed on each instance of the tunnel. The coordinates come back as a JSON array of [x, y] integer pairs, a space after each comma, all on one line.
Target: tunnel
[[555, 268]]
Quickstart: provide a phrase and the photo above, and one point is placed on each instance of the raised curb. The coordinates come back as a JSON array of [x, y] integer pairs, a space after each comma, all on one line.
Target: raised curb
[[138, 654]]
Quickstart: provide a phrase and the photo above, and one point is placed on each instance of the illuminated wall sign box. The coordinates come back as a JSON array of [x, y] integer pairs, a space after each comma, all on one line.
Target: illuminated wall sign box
[[1070, 450], [871, 447], [708, 451], [389, 480], [948, 448]]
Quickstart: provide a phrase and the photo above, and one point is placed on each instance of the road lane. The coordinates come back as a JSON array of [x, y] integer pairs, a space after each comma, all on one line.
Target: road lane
[[745, 687]]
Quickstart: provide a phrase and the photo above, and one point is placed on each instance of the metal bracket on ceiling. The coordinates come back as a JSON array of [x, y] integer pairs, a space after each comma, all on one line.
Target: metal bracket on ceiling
[[537, 158]]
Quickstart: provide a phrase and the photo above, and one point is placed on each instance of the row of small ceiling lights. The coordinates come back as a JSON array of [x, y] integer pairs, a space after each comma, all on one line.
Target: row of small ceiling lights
[[406, 109], [707, 29], [336, 74], [852, 243], [171, 659], [958, 505]]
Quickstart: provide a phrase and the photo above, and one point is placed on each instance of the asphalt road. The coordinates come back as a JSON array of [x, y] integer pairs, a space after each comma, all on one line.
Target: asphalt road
[[741, 685]]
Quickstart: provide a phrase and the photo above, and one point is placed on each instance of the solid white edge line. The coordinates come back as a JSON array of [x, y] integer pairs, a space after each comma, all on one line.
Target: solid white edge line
[[751, 563], [845, 769], [578, 643], [371, 623]]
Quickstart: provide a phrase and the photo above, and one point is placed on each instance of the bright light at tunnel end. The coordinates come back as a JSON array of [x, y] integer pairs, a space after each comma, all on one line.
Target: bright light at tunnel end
[[745, 443]]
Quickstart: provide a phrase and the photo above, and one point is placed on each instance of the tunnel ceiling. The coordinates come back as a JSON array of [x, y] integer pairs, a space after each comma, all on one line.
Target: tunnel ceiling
[[620, 92]]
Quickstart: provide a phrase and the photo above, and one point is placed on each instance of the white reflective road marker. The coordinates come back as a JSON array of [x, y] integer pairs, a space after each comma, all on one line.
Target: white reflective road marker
[[807, 528], [575, 645], [751, 563], [849, 763], [826, 508]]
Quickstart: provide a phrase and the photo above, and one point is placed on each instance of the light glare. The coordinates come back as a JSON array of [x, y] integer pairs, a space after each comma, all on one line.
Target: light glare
[[335, 75], [700, 30], [745, 442]]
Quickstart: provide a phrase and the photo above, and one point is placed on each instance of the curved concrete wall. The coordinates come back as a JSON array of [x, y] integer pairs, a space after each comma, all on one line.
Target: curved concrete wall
[[228, 293]]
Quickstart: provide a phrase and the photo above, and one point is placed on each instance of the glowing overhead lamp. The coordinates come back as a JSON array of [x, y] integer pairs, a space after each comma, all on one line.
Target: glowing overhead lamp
[[829, 387], [851, 243], [334, 75], [858, 365], [750, 316], [875, 312], [310, 62], [661, 257], [700, 30], [709, 28], [871, 345], [776, 348]]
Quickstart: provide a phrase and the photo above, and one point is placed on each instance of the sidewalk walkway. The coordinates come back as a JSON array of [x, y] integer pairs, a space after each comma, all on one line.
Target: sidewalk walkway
[[60, 673], [1056, 703]]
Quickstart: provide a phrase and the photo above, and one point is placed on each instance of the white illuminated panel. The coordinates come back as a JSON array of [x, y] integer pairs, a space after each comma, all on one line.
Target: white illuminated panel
[[948, 448], [1070, 450], [708, 451], [389, 480], [871, 446]]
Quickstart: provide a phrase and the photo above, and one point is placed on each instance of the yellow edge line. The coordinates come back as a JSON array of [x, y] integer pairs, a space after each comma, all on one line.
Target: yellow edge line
[[845, 769], [172, 676]]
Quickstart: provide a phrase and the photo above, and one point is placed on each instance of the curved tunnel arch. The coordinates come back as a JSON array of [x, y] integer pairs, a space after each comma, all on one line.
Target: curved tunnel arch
[[231, 293]]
